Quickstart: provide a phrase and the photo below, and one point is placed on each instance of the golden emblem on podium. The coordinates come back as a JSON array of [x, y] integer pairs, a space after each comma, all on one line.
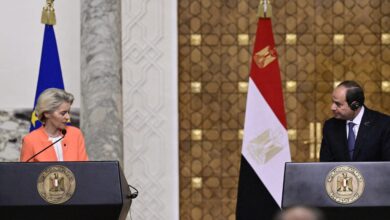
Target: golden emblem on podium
[[344, 184], [56, 184]]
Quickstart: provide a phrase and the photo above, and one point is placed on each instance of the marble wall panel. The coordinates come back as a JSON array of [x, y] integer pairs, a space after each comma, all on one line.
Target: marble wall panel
[[101, 79]]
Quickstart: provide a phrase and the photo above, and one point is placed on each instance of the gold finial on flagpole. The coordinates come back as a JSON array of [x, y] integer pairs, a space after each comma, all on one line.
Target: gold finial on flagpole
[[265, 9], [48, 15], [260, 9], [269, 9]]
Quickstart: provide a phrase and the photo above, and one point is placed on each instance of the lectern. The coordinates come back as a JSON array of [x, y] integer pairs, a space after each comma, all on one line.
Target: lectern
[[348, 190], [63, 190]]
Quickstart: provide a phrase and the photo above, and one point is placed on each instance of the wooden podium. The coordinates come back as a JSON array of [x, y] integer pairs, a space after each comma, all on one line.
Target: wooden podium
[[360, 190], [100, 191]]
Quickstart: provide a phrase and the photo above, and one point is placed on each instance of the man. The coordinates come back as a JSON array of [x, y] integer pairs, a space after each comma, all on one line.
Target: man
[[355, 133], [300, 213]]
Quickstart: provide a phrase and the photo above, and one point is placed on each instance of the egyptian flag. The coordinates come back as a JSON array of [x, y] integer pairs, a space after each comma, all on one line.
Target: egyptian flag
[[265, 146]]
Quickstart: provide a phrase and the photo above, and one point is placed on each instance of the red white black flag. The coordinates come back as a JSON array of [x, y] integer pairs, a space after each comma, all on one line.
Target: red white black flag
[[265, 146]]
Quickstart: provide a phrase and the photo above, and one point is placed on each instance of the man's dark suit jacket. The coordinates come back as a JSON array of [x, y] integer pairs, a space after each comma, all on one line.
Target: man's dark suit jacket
[[372, 142]]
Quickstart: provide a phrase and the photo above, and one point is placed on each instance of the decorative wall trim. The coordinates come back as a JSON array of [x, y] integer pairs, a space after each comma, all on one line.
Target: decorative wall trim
[[150, 119]]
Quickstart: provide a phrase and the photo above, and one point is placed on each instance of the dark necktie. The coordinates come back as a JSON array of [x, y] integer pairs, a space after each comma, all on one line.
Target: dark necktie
[[351, 139]]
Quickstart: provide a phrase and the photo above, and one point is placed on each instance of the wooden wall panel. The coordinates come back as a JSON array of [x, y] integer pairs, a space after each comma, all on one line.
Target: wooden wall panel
[[335, 40]]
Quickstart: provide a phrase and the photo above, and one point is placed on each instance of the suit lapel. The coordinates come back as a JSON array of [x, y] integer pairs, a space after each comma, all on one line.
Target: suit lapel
[[341, 134], [50, 153], [64, 148], [363, 132]]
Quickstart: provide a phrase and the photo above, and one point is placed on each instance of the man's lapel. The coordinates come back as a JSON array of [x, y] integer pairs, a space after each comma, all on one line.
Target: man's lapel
[[363, 133], [341, 134]]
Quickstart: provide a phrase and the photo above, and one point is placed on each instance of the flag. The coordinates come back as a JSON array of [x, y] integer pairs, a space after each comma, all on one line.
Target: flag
[[50, 75], [265, 146]]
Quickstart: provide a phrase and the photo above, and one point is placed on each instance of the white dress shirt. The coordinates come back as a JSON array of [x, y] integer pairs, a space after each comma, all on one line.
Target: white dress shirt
[[357, 120], [57, 147]]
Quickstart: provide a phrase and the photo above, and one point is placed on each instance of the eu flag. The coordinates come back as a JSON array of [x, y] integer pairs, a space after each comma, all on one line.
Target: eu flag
[[50, 74]]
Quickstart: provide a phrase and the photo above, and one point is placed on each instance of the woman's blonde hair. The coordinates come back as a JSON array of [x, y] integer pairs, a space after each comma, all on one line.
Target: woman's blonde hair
[[50, 100]]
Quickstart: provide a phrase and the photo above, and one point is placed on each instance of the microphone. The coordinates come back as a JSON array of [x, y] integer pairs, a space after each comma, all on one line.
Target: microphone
[[63, 131], [132, 195]]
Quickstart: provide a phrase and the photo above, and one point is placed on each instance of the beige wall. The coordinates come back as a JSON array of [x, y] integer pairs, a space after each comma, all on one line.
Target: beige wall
[[21, 45]]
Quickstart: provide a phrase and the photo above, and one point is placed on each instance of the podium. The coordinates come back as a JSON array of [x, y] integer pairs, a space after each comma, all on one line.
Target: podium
[[100, 191], [343, 190]]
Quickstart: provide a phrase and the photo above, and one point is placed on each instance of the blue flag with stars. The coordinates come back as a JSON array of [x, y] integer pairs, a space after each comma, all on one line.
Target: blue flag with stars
[[50, 74]]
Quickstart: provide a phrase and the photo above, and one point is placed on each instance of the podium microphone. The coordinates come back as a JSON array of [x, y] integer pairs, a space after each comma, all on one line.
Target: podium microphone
[[63, 131], [134, 194]]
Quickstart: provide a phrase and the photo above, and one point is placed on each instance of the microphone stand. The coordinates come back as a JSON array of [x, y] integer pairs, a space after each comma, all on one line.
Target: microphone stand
[[33, 156]]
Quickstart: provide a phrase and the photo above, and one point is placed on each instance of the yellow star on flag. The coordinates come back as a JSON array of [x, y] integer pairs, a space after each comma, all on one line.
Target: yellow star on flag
[[34, 118]]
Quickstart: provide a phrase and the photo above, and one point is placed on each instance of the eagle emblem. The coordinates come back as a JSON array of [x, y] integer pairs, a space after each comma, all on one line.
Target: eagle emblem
[[344, 184], [265, 56], [56, 184]]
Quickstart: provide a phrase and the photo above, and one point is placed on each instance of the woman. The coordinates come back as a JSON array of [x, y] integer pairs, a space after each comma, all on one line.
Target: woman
[[52, 109]]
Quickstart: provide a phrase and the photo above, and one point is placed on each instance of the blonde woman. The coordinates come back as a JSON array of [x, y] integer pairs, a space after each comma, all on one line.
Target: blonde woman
[[52, 109]]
